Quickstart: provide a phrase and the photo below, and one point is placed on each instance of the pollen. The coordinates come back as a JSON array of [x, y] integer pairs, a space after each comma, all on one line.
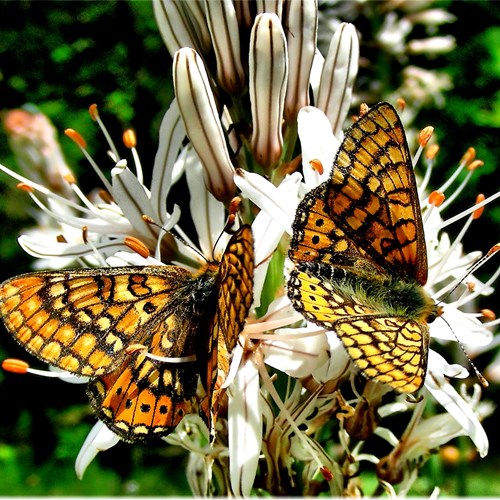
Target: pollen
[[436, 198], [317, 166], [137, 246], [477, 213], [129, 138]]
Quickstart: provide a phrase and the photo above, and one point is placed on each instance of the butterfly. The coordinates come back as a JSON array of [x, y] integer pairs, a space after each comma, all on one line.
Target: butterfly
[[359, 254], [117, 326]]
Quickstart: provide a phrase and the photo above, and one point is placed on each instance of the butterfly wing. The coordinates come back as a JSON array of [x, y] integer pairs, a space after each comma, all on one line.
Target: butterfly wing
[[386, 348], [235, 296], [369, 206], [82, 320], [146, 397]]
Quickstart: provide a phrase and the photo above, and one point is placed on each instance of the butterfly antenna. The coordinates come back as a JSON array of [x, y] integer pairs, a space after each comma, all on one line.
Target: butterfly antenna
[[479, 376], [151, 221], [474, 267]]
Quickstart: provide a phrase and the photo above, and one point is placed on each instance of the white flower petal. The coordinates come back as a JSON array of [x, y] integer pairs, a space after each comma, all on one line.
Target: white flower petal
[[317, 143], [455, 405], [245, 428], [100, 438]]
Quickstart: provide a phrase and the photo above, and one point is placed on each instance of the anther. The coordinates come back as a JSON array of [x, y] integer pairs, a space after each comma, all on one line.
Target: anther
[[129, 139], [432, 151], [133, 348], [317, 166], [137, 246], [363, 109], [70, 179], [477, 213], [85, 233], [105, 196], [425, 135], [61, 239], [493, 249], [401, 104], [25, 187], [76, 137], [436, 198], [471, 286], [326, 473], [488, 314], [15, 366], [94, 113], [468, 156], [475, 164]]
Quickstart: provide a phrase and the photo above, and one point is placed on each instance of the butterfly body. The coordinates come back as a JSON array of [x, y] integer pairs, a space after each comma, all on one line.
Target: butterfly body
[[359, 254], [144, 335]]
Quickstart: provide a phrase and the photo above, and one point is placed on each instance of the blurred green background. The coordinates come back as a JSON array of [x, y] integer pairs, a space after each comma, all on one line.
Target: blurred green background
[[64, 56]]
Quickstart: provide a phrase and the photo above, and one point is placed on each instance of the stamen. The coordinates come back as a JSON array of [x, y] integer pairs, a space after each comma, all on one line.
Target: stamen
[[130, 141], [401, 103], [435, 199], [488, 314], [468, 156], [95, 116], [61, 239], [21, 367], [137, 246], [317, 166], [477, 213], [457, 191], [475, 164], [425, 135], [25, 187], [95, 250], [80, 142], [430, 156], [469, 210]]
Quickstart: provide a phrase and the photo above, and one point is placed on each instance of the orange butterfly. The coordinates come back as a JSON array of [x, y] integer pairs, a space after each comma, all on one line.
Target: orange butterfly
[[360, 258], [110, 323]]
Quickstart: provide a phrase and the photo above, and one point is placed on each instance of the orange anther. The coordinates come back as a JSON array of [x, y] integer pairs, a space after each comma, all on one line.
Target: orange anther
[[477, 213], [129, 138], [61, 239], [148, 219], [94, 113], [475, 164], [70, 179], [436, 198], [25, 187], [401, 104], [317, 166], [137, 246], [471, 286], [494, 249], [76, 137], [15, 366], [234, 205], [425, 135], [432, 151], [468, 156], [85, 233], [133, 348], [488, 314]]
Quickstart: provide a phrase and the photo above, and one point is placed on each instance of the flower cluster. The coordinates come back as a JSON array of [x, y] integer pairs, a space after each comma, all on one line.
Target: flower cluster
[[243, 122]]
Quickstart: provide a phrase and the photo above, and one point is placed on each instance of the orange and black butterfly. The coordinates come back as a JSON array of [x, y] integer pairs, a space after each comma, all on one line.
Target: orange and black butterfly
[[118, 326], [359, 254]]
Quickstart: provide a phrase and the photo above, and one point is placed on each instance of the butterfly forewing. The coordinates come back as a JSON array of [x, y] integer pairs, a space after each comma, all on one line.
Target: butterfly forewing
[[81, 320]]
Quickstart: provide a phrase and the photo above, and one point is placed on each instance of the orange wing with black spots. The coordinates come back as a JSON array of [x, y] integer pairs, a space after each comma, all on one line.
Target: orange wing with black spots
[[359, 253], [110, 323]]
